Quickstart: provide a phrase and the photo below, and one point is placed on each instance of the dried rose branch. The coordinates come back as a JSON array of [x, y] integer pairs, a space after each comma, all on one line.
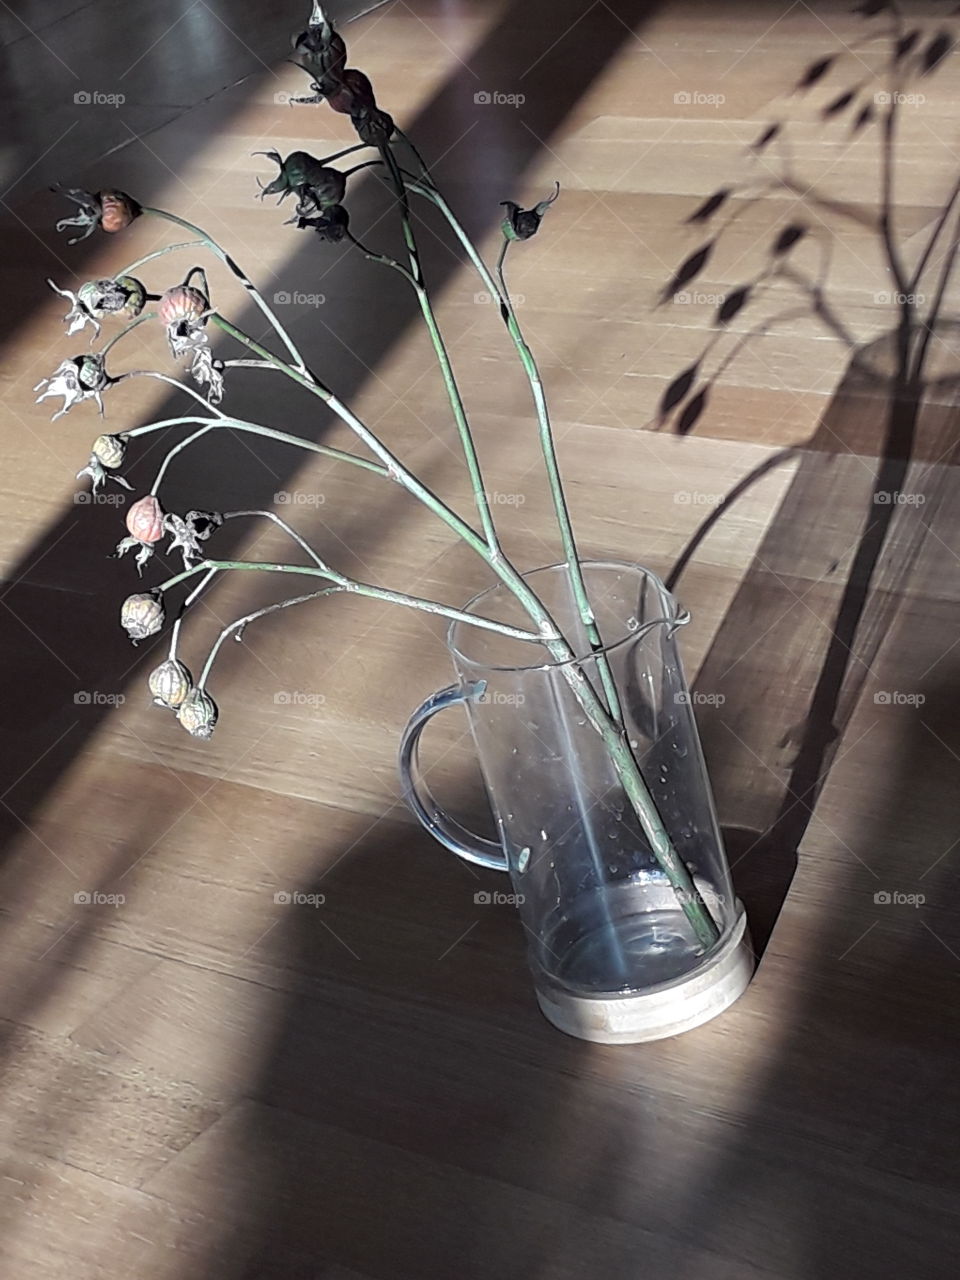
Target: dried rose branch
[[189, 316]]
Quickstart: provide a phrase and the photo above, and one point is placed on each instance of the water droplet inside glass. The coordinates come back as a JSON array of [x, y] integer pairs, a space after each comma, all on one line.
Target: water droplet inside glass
[[523, 859]]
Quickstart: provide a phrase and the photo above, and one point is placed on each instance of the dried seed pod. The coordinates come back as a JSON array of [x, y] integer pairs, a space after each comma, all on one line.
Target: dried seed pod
[[145, 520], [198, 714], [80, 378], [170, 683], [182, 304], [521, 224], [111, 210], [109, 451], [142, 615], [117, 210]]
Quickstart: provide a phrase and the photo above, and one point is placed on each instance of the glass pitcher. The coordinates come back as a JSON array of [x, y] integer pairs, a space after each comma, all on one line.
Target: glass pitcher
[[613, 955]]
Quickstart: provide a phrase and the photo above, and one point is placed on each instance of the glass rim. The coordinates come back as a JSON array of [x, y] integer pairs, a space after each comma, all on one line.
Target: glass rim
[[680, 616]]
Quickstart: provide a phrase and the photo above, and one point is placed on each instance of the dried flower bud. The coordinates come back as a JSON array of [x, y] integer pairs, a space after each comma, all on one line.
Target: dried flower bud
[[521, 224], [109, 450], [142, 615], [145, 520], [321, 52], [360, 87], [180, 303], [374, 127], [80, 378], [170, 683], [198, 713], [182, 310], [124, 295], [317, 185], [118, 210], [331, 225], [111, 210]]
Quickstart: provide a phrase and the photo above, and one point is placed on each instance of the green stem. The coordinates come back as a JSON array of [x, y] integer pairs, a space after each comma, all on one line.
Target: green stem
[[446, 369], [253, 428], [549, 451], [225, 258], [355, 588], [160, 253], [610, 729], [612, 733]]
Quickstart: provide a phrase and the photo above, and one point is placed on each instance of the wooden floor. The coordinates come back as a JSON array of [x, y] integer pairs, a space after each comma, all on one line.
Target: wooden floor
[[200, 1082]]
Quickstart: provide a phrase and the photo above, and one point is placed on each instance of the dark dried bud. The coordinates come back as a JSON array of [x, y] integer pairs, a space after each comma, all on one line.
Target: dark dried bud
[[142, 615], [521, 224], [331, 225], [320, 51], [374, 127], [198, 714]]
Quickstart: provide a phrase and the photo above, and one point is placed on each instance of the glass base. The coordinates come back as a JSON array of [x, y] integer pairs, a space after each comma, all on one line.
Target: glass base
[[658, 1011]]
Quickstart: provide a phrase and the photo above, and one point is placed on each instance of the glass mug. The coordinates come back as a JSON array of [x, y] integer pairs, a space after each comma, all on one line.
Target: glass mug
[[613, 955]]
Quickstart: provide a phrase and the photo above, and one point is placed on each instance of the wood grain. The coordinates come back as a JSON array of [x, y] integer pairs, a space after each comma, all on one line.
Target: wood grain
[[203, 1080]]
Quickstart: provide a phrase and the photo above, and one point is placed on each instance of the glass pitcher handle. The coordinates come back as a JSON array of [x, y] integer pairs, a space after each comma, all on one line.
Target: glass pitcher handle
[[465, 844]]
